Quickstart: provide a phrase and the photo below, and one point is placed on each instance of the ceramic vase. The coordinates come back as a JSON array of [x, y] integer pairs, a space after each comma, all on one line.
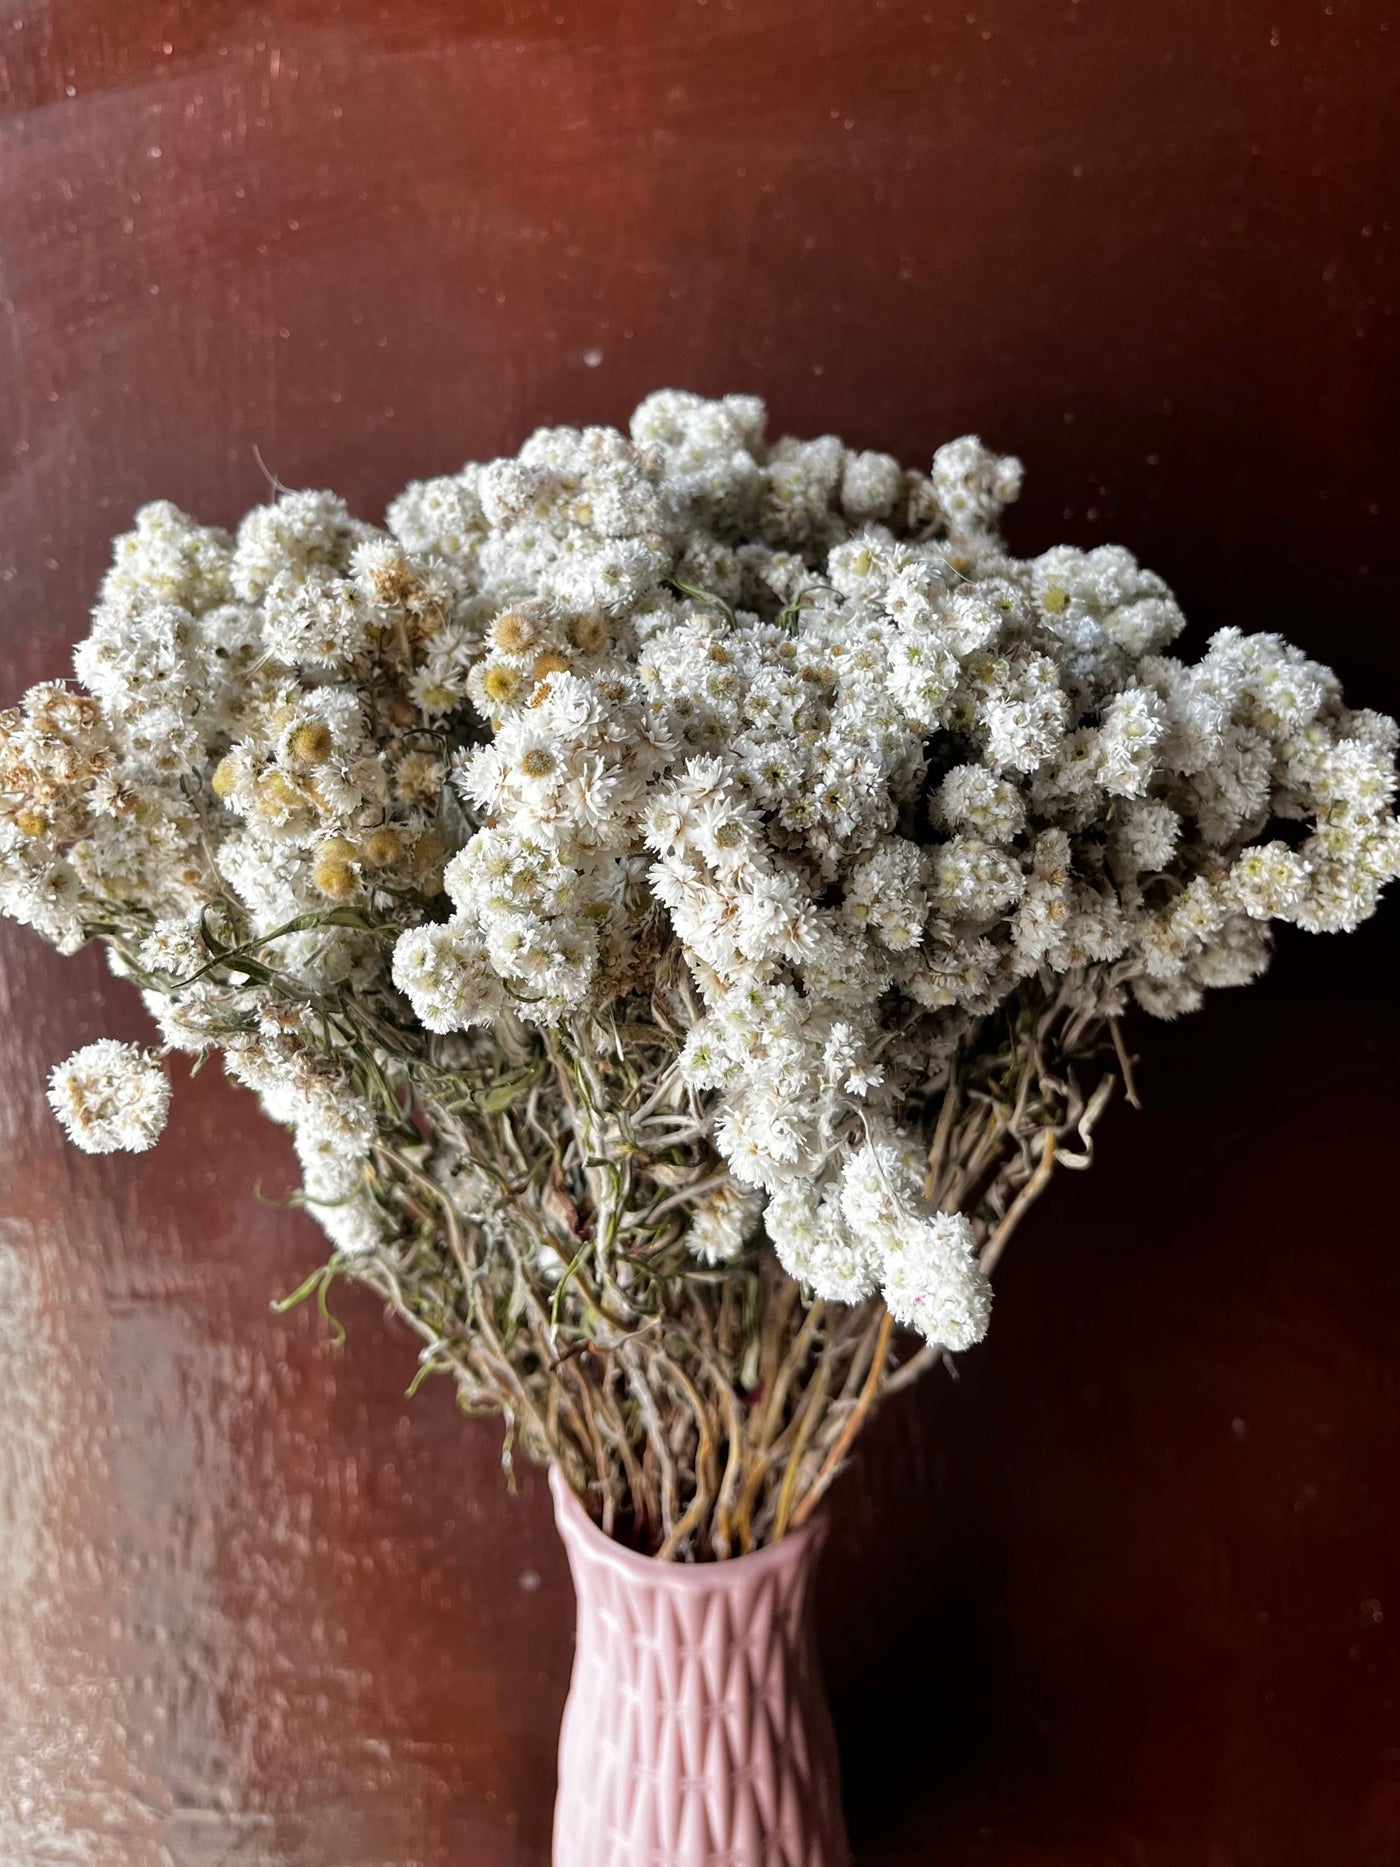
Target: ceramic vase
[[696, 1732]]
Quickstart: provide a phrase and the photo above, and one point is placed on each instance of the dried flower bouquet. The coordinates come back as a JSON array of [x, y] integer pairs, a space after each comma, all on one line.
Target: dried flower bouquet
[[682, 893]]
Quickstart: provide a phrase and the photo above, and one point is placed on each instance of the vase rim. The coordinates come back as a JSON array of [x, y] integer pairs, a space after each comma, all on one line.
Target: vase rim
[[574, 1521]]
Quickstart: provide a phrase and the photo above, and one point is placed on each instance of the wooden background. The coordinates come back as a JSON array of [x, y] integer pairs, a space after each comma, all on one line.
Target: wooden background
[[1128, 1594]]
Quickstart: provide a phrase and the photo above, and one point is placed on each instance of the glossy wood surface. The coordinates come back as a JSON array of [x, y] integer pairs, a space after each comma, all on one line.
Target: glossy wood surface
[[1126, 1595]]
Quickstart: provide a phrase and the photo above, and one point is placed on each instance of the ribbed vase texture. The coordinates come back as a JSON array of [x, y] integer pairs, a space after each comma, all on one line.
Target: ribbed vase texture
[[696, 1732]]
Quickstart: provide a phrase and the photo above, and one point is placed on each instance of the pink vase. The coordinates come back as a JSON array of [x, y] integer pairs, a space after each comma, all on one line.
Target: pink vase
[[696, 1732]]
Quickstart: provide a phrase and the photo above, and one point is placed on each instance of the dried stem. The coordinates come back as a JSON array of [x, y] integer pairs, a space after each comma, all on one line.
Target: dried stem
[[854, 1421], [699, 1413]]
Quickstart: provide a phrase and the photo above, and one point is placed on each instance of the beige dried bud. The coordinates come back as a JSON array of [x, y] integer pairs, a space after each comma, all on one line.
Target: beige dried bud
[[335, 871], [500, 685], [381, 847], [516, 632], [418, 777], [589, 634], [311, 743], [549, 661]]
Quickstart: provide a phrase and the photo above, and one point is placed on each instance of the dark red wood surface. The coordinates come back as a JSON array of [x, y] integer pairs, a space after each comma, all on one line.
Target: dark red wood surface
[[1128, 1594]]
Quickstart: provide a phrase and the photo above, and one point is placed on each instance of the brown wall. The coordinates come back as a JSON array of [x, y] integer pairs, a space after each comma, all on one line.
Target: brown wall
[[1130, 1591]]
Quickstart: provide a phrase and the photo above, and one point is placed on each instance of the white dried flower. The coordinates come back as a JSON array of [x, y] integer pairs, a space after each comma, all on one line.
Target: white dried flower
[[447, 977], [111, 1097], [927, 1260]]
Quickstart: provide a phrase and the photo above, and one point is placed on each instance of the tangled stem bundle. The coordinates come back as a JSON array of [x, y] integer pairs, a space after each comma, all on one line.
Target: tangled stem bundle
[[703, 1410]]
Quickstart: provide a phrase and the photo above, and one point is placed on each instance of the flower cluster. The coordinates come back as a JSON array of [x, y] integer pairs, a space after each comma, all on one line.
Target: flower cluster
[[653, 835], [111, 1097], [887, 776]]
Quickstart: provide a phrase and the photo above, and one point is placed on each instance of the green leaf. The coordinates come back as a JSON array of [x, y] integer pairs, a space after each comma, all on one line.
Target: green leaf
[[704, 596], [790, 614], [509, 1089], [210, 938], [318, 1282]]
